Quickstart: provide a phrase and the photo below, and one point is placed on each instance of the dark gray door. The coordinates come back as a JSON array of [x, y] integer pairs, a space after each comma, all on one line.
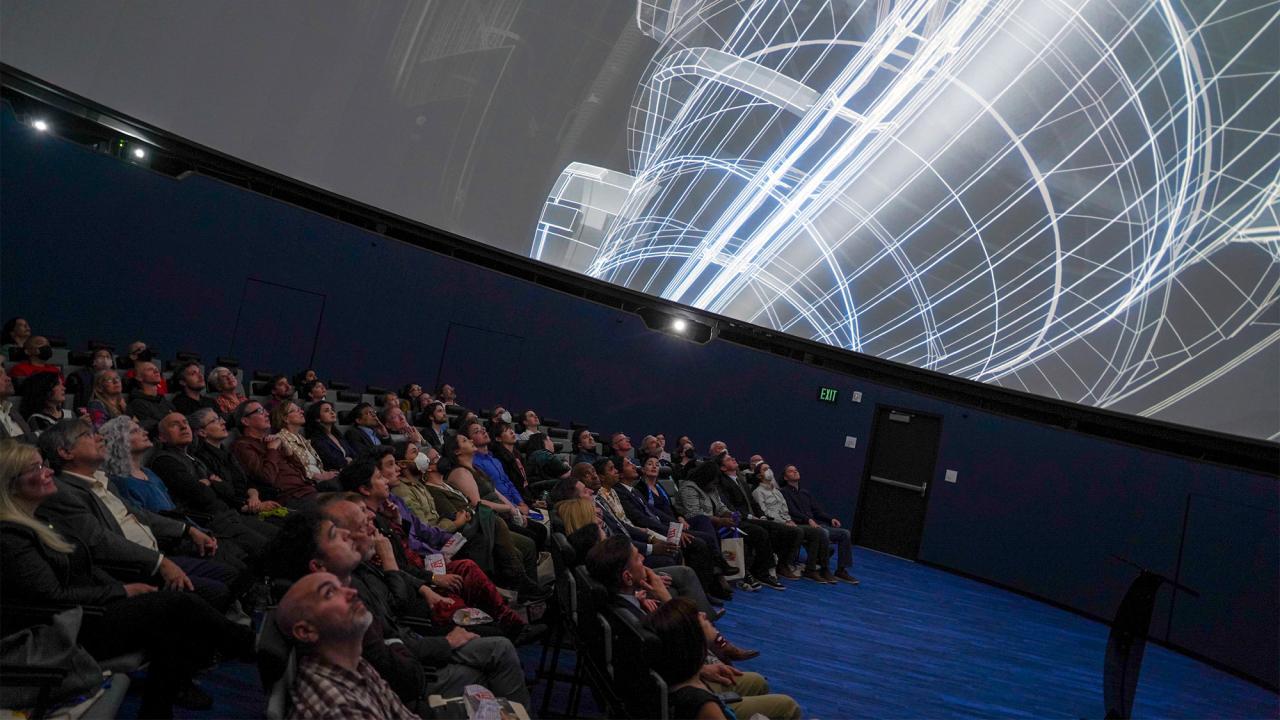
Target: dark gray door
[[895, 492]]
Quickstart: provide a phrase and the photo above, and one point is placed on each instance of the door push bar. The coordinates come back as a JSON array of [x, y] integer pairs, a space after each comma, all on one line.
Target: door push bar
[[905, 486]]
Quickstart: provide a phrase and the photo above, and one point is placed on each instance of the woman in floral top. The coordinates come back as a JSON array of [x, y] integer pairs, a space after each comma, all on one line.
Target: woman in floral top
[[287, 421]]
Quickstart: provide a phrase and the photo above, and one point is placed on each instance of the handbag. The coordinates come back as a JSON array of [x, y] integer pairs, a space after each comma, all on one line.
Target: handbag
[[735, 553], [50, 646]]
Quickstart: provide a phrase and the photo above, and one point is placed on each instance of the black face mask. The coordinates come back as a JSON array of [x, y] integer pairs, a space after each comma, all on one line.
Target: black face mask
[[144, 356], [45, 352]]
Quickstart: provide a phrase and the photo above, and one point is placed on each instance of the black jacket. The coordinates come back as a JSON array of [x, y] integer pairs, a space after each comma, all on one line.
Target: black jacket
[[222, 463], [148, 409], [737, 495], [34, 573], [182, 473]]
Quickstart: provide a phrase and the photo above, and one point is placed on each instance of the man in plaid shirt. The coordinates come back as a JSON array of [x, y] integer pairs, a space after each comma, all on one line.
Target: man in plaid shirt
[[328, 622]]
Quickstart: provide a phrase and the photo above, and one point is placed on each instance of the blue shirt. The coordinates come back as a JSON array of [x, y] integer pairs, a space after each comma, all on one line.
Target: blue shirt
[[372, 435], [493, 468], [423, 538], [150, 494]]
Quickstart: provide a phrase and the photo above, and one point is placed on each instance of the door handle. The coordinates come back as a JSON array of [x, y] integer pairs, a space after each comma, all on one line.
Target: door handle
[[921, 488]]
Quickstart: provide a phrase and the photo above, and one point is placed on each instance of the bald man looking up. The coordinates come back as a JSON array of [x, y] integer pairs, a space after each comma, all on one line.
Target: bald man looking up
[[328, 621]]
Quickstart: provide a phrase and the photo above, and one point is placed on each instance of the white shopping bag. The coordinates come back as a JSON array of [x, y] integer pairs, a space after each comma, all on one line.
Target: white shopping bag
[[735, 553]]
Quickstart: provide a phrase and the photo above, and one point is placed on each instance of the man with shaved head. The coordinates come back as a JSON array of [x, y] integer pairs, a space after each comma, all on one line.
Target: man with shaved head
[[328, 622]]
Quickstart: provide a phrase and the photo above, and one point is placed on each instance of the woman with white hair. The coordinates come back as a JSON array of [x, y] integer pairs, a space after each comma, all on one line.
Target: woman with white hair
[[127, 444], [46, 563], [226, 388]]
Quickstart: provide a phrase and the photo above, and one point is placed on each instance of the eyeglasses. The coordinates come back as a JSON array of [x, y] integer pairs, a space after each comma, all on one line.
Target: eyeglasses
[[214, 421], [256, 411], [38, 467]]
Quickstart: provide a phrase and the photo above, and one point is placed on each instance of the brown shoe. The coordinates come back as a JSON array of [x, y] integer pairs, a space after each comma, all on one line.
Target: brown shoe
[[827, 577], [843, 574], [729, 652], [813, 575]]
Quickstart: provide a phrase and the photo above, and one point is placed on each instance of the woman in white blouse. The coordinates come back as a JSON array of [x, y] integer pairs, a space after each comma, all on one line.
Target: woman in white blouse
[[817, 548], [287, 420]]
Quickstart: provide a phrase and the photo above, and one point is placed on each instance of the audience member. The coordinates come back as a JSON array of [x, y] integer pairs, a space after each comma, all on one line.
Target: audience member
[[498, 491], [313, 392], [328, 622], [279, 390], [225, 386], [397, 423], [620, 445], [447, 395], [187, 380], [436, 422], [806, 511], [43, 395], [412, 489], [510, 551], [80, 382], [322, 431], [785, 539], [312, 543], [16, 331], [366, 430], [704, 507], [126, 442], [12, 425], [198, 490], [147, 402], [263, 457], [306, 377], [462, 584], [108, 399], [288, 420], [503, 447], [127, 538], [695, 686], [211, 432], [388, 400], [48, 561], [529, 422], [138, 352], [773, 504], [584, 447], [38, 351], [543, 466], [409, 395]]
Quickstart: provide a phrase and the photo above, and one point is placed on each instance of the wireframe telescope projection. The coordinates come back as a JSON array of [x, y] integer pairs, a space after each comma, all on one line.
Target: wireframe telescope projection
[[1072, 197]]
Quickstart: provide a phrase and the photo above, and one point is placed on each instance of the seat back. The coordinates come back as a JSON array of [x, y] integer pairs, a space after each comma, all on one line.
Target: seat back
[[563, 558], [277, 665], [642, 692]]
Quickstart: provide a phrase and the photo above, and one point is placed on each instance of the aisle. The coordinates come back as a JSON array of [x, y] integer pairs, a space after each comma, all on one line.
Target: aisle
[[912, 641]]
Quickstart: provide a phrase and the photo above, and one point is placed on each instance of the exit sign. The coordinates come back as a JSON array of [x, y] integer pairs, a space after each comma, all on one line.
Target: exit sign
[[827, 394]]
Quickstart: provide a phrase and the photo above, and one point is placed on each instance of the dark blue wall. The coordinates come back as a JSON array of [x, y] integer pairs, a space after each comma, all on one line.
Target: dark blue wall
[[96, 248]]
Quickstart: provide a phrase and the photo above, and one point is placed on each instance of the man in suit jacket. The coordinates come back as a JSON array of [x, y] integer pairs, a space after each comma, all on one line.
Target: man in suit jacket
[[785, 539], [122, 536], [366, 431], [11, 423]]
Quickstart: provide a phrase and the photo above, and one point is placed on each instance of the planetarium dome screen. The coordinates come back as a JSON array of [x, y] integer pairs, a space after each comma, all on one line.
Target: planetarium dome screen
[[1075, 198]]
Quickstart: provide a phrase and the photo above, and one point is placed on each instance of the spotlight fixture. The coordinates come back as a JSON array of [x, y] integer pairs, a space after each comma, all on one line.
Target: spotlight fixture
[[40, 125], [677, 324], [139, 153]]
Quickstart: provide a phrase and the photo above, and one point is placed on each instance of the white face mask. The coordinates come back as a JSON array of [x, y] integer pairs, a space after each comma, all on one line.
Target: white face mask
[[506, 416], [422, 462], [102, 363], [768, 476]]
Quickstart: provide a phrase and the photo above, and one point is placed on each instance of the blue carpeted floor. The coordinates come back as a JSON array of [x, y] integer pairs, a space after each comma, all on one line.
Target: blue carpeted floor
[[910, 642]]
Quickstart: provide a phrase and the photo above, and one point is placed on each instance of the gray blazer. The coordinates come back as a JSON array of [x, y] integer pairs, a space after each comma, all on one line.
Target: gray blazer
[[76, 506]]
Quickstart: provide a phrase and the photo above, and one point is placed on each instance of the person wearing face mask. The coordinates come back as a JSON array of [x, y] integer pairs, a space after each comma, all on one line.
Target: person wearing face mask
[[139, 353], [80, 382], [39, 352], [771, 501]]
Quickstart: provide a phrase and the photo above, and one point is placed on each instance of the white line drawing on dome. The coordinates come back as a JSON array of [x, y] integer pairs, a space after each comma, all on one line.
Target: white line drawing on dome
[[1078, 198]]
